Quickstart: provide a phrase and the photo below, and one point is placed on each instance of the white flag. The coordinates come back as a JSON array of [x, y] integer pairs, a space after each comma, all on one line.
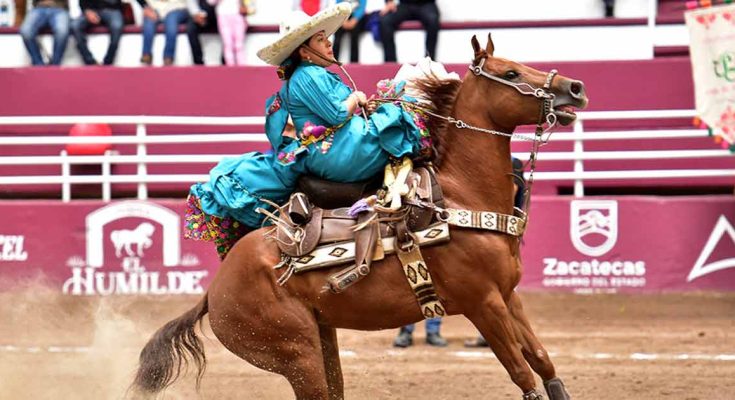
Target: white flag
[[712, 49]]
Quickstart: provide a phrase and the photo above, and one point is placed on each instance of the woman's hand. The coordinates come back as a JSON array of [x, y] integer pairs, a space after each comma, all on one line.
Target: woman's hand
[[371, 105], [354, 101], [361, 98]]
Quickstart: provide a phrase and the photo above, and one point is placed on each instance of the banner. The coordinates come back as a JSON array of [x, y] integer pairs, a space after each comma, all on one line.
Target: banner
[[631, 244], [712, 49], [627, 244]]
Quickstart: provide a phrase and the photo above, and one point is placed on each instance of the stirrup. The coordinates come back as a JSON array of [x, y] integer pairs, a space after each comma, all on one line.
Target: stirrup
[[395, 181]]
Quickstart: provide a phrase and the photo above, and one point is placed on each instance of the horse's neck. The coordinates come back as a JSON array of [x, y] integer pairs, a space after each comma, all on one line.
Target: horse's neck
[[476, 165]]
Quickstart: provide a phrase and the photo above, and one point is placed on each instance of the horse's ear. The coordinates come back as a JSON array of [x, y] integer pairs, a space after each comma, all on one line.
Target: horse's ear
[[476, 45], [490, 46]]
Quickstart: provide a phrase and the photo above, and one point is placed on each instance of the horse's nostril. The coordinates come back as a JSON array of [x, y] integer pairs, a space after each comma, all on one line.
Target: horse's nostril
[[576, 88]]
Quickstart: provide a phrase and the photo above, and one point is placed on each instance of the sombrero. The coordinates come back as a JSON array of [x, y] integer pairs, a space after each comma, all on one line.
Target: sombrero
[[297, 27]]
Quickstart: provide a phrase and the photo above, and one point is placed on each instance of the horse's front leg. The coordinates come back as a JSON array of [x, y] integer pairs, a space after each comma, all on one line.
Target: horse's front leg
[[534, 351], [494, 321]]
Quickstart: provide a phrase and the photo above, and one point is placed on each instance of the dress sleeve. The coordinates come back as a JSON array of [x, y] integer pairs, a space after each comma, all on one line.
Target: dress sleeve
[[276, 118], [318, 90]]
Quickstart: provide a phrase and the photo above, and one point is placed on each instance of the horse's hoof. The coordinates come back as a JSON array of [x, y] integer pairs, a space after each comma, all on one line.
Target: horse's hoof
[[555, 389]]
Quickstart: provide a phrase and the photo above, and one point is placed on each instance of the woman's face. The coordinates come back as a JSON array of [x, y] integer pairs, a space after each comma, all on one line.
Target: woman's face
[[320, 44]]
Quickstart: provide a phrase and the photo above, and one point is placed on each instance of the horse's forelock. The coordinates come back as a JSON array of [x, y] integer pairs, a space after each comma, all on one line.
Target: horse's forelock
[[441, 94]]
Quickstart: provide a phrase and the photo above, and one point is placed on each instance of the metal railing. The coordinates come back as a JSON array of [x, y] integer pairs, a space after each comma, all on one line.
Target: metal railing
[[142, 159]]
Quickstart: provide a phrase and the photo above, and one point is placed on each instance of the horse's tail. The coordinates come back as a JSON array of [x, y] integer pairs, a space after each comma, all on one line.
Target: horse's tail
[[172, 346]]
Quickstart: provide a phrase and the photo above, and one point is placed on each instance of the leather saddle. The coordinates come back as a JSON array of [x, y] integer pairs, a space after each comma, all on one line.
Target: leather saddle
[[316, 222]]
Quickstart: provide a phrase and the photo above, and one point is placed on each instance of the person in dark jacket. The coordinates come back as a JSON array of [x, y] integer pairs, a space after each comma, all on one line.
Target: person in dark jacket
[[98, 12], [203, 19], [425, 11]]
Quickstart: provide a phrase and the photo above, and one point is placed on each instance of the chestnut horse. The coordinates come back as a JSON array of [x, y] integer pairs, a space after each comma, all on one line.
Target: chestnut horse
[[291, 329]]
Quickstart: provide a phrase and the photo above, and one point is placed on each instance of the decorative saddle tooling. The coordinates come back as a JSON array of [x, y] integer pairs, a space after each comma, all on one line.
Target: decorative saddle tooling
[[405, 214]]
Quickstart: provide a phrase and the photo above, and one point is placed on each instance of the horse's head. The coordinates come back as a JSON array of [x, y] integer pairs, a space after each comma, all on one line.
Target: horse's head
[[514, 94]]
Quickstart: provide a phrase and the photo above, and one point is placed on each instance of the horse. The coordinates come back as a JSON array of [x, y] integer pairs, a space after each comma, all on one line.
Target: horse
[[291, 329]]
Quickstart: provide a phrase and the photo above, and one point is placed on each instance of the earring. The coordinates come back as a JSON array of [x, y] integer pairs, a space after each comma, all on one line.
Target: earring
[[308, 59]]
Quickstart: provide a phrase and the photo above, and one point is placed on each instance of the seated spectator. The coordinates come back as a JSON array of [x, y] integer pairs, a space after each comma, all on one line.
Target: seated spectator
[[609, 8], [362, 15], [203, 19], [170, 13], [98, 12], [425, 11], [231, 24], [433, 337], [51, 13]]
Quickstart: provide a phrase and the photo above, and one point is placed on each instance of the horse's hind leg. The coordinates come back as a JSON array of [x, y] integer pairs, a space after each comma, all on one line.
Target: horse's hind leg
[[495, 323], [534, 351], [332, 365], [282, 338]]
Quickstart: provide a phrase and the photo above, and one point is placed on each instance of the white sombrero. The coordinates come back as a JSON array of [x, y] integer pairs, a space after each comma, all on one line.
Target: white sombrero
[[297, 27]]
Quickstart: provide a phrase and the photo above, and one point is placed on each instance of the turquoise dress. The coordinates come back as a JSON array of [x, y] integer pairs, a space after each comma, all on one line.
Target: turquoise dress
[[347, 150]]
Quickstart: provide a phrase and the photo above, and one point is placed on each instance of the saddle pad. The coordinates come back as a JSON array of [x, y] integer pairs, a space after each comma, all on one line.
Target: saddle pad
[[344, 252]]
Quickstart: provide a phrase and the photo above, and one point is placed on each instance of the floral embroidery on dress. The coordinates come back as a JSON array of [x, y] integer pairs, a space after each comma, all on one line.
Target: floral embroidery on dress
[[224, 232], [390, 89], [275, 105], [311, 134], [387, 88], [287, 157]]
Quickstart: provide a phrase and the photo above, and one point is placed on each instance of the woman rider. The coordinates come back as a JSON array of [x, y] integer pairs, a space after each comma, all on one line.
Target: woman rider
[[331, 143]]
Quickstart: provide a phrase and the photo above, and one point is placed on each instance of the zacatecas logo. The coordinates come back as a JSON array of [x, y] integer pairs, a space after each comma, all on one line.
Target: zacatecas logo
[[594, 218], [136, 234], [700, 268], [593, 231], [11, 248]]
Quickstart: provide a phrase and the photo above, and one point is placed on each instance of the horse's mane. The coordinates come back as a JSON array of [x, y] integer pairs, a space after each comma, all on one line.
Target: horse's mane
[[440, 95]]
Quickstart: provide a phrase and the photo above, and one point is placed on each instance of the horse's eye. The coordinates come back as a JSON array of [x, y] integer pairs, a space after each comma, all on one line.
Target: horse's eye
[[510, 75]]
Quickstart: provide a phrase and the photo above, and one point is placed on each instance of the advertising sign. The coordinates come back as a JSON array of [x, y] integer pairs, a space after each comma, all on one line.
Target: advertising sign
[[627, 244]]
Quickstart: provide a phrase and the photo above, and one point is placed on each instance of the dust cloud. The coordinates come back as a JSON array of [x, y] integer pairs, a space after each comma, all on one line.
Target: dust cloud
[[56, 346]]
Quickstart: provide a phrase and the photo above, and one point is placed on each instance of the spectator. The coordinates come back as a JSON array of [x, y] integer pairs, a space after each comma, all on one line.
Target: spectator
[[51, 13], [231, 23], [354, 25], [171, 13], [519, 188], [425, 11], [433, 337], [362, 15], [96, 12], [203, 19], [609, 8]]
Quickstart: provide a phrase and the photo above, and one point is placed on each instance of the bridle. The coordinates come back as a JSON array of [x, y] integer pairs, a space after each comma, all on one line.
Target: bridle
[[546, 115], [546, 111]]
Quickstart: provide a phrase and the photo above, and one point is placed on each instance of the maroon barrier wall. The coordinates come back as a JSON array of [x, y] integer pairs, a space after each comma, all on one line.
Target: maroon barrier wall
[[227, 91], [633, 244], [231, 91]]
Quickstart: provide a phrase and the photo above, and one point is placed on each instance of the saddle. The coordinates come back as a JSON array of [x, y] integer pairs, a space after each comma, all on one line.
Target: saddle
[[318, 229]]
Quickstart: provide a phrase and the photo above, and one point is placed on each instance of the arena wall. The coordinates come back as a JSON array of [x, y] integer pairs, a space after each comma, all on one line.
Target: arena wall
[[630, 244]]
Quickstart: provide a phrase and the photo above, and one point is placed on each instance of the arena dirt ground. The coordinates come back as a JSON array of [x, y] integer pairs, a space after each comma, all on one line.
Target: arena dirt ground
[[619, 347]]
